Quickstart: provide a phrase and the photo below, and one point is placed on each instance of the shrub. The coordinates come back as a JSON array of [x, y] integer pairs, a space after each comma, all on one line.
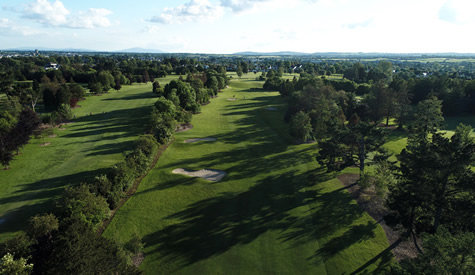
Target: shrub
[[79, 204], [147, 144], [121, 176], [138, 162]]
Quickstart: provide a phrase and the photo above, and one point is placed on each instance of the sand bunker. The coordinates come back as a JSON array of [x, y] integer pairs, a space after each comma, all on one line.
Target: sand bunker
[[232, 99], [271, 109], [207, 174], [191, 140]]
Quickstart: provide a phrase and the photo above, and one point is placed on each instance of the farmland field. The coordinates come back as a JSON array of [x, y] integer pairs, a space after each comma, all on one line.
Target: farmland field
[[98, 137], [276, 211]]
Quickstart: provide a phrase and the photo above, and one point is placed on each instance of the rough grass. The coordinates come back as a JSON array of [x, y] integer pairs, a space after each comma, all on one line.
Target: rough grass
[[78, 153], [276, 211]]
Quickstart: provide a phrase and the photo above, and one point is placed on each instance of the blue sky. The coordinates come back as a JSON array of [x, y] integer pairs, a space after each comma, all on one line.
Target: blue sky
[[228, 26]]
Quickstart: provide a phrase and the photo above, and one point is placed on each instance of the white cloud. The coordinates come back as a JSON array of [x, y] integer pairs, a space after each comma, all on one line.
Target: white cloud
[[44, 12], [92, 18], [151, 29], [193, 11], [10, 28], [55, 14], [361, 24], [458, 11], [238, 6], [3, 22]]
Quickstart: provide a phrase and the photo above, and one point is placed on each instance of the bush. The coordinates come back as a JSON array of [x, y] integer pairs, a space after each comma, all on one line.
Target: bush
[[79, 204], [147, 144], [65, 113], [138, 162], [121, 176]]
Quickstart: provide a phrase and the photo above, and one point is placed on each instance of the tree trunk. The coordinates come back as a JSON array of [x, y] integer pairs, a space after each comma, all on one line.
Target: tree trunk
[[440, 206], [361, 155]]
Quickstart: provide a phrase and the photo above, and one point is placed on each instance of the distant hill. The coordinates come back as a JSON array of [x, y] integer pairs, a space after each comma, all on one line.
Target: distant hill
[[140, 50], [271, 53]]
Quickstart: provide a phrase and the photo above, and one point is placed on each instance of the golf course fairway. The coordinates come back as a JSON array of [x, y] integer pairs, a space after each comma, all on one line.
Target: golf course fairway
[[276, 211]]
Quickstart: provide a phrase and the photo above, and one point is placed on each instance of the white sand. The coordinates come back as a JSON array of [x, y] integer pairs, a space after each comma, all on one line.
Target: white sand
[[191, 140], [207, 174], [271, 109]]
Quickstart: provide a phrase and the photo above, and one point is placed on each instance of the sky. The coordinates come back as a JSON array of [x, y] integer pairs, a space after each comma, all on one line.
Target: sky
[[229, 26]]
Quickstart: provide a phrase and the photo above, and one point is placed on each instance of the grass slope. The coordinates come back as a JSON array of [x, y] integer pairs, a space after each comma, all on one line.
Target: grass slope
[[275, 212], [84, 149]]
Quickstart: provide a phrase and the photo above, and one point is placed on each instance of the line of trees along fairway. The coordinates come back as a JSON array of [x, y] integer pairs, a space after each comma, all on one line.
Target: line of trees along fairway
[[430, 193], [66, 241]]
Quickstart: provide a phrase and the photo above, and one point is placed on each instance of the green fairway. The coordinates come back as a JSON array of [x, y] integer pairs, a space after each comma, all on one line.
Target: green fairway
[[276, 211], [97, 138]]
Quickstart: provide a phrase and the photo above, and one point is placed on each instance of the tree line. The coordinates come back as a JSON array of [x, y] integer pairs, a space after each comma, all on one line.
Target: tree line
[[429, 191], [66, 240]]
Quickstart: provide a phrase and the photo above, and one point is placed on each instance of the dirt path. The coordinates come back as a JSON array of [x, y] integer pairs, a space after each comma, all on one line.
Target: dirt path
[[374, 206]]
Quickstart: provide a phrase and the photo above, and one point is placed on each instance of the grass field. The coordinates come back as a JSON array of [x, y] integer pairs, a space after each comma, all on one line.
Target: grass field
[[276, 211], [79, 152]]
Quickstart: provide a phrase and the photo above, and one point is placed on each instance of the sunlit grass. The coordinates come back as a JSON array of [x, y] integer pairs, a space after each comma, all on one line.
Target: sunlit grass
[[276, 211]]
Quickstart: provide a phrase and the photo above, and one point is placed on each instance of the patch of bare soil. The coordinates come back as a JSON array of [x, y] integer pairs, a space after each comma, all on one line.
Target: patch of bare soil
[[232, 99], [184, 127], [368, 200], [52, 136], [138, 259], [45, 144], [62, 129]]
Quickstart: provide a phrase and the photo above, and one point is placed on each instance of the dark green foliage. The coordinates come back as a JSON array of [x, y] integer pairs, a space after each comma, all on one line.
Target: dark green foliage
[[138, 162], [444, 253], [147, 144], [96, 88], [135, 245], [79, 204], [162, 126], [428, 117], [156, 87], [436, 180], [345, 85], [12, 138], [77, 91], [106, 80], [42, 226], [300, 126], [64, 113], [20, 246], [79, 250], [272, 83]]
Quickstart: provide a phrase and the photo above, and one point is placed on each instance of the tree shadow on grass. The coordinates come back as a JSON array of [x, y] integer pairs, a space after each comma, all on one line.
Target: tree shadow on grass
[[212, 226], [39, 197], [355, 234], [142, 95]]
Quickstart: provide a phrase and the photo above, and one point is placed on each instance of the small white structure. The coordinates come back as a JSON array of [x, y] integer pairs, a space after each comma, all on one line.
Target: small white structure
[[51, 66]]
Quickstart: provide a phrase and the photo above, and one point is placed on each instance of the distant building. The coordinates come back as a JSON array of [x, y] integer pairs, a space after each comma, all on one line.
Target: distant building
[[51, 66]]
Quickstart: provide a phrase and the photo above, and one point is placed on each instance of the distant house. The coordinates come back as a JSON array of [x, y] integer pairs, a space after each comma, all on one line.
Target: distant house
[[51, 66]]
